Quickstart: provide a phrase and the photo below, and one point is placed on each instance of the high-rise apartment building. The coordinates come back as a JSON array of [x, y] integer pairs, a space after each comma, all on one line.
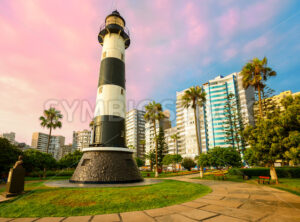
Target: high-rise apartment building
[[274, 100], [135, 131], [210, 117], [164, 124], [81, 139], [10, 137], [40, 141], [171, 140], [64, 150]]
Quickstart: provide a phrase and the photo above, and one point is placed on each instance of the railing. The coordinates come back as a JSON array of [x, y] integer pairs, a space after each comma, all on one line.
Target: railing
[[125, 29]]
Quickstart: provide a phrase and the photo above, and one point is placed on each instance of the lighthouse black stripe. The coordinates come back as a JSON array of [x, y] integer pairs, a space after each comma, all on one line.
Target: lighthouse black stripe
[[112, 131], [112, 71]]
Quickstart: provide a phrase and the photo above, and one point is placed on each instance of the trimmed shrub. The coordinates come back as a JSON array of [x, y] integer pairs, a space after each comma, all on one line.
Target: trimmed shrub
[[51, 173], [282, 172]]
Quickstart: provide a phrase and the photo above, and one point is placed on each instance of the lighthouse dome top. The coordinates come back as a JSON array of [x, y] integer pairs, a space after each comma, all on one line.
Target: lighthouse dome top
[[115, 14]]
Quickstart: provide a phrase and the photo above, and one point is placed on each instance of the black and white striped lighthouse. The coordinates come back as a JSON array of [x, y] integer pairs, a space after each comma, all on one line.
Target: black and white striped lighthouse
[[107, 159]]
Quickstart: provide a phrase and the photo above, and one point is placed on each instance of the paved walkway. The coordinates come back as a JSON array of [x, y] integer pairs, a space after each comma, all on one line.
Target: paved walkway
[[229, 201]]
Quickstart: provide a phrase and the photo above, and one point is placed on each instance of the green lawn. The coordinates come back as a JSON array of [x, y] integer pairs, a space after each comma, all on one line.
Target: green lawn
[[42, 201], [291, 185]]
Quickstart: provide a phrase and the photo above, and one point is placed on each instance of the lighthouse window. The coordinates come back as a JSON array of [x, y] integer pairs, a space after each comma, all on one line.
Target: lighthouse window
[[122, 56], [104, 55], [100, 90], [122, 91]]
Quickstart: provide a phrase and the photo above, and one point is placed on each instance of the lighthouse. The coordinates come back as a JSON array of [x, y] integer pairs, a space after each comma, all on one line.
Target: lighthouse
[[107, 159]]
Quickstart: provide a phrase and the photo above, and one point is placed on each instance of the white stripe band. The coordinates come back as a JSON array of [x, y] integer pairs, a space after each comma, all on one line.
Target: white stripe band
[[107, 149]]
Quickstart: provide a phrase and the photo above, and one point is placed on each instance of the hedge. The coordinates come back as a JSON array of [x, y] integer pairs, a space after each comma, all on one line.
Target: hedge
[[282, 172], [51, 173]]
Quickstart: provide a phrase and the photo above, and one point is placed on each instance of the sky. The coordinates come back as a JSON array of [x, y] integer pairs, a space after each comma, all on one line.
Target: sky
[[49, 53]]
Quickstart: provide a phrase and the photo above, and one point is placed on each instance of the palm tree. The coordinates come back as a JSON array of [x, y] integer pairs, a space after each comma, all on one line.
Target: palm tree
[[51, 120], [154, 113], [175, 137], [255, 73], [194, 97]]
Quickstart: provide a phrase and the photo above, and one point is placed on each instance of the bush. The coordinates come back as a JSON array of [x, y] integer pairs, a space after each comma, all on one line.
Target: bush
[[188, 163], [282, 172], [51, 173]]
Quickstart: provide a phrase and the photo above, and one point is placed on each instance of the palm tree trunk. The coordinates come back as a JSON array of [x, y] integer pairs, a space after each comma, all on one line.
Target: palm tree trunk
[[156, 148], [259, 101], [197, 135], [44, 173]]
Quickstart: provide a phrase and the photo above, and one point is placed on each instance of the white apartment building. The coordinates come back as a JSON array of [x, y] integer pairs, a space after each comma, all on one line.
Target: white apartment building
[[64, 150], [81, 139], [171, 142], [135, 131], [10, 137], [40, 141], [149, 131]]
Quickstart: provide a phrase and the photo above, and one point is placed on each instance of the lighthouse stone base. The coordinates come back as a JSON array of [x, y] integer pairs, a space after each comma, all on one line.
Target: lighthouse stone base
[[106, 167]]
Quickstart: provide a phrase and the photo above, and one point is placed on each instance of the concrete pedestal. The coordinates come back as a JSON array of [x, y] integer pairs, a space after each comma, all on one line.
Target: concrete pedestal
[[106, 167]]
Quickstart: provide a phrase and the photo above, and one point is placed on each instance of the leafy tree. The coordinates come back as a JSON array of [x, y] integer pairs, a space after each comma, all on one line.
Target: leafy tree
[[194, 97], [172, 159], [154, 114], [255, 73], [139, 162], [203, 161], [293, 154], [250, 158], [151, 157], [8, 155], [70, 160], [224, 157], [36, 160], [233, 125], [188, 163], [273, 139]]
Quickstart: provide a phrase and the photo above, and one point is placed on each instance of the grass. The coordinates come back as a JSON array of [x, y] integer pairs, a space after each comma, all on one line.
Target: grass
[[291, 185], [42, 201]]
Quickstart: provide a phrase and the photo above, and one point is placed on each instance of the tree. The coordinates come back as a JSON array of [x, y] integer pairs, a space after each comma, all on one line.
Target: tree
[[188, 163], [233, 125], [36, 160], [8, 155], [255, 73], [172, 159], [194, 97], [161, 146], [139, 162], [203, 161], [154, 114], [70, 160], [151, 157], [174, 137], [143, 143], [51, 120], [224, 157], [293, 154], [250, 158]]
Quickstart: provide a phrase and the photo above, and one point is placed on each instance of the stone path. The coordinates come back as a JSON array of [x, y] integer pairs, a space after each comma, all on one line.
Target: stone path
[[229, 201]]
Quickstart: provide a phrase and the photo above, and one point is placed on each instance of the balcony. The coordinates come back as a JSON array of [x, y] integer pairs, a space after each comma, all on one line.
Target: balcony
[[114, 28]]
